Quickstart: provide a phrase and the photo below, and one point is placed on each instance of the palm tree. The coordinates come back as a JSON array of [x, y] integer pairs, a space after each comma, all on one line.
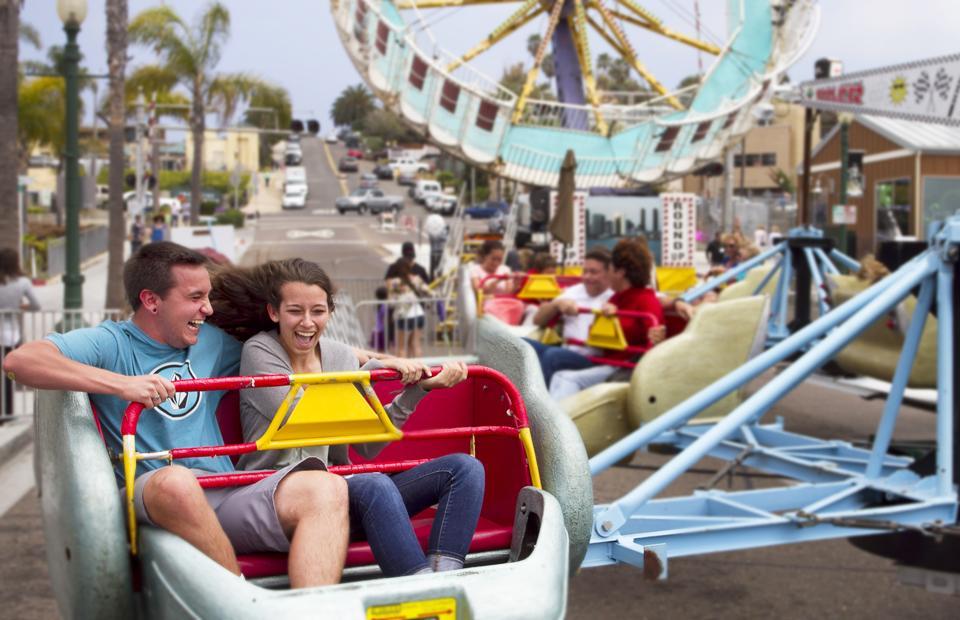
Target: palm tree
[[352, 106], [190, 55], [9, 77], [117, 13]]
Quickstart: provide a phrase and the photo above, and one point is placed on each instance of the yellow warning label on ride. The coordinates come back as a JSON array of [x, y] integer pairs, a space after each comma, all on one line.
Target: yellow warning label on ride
[[433, 609]]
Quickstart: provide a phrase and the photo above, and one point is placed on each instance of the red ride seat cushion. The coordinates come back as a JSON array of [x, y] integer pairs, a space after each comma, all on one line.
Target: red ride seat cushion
[[489, 536]]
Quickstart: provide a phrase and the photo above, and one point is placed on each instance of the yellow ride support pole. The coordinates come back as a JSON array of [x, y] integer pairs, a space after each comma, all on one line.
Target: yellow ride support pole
[[650, 22], [517, 20], [537, 59], [579, 28], [626, 49]]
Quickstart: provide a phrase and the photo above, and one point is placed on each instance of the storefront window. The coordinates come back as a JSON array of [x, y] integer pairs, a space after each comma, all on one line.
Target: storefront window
[[893, 209], [941, 199]]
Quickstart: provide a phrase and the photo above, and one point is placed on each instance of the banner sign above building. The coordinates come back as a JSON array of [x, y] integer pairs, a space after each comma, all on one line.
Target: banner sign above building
[[677, 236], [926, 91]]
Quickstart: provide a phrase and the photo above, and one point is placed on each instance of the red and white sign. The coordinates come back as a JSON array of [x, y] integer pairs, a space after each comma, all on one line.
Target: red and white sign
[[678, 213], [927, 90]]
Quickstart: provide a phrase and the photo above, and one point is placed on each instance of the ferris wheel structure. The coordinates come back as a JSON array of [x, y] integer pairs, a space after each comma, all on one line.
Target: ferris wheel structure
[[617, 143]]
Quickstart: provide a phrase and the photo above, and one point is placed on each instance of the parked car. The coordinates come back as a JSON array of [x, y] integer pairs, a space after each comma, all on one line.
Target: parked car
[[486, 210], [407, 177], [368, 180], [355, 153], [377, 155], [294, 196], [102, 196], [409, 165], [293, 159], [373, 200], [296, 174], [332, 138], [348, 164], [424, 187], [383, 172], [444, 204]]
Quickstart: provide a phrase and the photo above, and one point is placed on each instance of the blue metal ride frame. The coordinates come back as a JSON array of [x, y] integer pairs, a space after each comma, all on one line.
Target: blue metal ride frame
[[843, 491], [816, 261]]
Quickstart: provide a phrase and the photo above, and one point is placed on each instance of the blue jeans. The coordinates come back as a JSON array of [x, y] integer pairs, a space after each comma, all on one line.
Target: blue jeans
[[554, 358], [381, 507]]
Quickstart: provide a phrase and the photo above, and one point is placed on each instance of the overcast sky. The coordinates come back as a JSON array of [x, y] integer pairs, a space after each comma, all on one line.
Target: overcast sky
[[294, 42]]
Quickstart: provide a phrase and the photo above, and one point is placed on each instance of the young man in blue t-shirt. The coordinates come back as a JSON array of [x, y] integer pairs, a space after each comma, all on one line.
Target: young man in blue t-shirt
[[301, 509]]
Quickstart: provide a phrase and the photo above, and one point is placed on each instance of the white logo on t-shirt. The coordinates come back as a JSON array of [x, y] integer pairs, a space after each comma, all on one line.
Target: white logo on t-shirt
[[181, 404]]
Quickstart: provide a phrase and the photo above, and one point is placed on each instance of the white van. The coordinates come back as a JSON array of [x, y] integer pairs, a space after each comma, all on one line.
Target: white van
[[424, 188], [296, 174]]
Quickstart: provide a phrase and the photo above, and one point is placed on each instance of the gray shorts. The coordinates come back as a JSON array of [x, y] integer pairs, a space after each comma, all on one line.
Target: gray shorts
[[246, 513]]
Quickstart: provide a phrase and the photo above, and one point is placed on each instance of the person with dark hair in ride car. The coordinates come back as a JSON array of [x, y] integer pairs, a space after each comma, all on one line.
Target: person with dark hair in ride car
[[630, 279]]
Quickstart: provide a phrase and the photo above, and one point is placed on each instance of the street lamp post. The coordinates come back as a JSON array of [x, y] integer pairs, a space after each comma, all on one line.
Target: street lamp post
[[72, 14], [845, 118]]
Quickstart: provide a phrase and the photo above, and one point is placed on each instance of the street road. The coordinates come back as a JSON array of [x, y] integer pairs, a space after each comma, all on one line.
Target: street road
[[826, 579]]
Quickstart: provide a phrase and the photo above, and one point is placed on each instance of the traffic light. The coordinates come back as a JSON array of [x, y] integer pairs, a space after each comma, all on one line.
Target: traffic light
[[296, 126], [313, 126]]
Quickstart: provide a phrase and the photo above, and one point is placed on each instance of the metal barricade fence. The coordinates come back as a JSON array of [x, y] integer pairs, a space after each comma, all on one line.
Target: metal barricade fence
[[382, 322], [16, 400]]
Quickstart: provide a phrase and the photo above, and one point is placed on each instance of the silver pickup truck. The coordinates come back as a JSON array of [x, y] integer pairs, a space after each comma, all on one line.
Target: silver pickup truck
[[372, 200]]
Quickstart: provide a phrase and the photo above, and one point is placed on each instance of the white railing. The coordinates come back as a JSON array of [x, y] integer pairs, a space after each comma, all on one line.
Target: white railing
[[380, 320], [17, 400]]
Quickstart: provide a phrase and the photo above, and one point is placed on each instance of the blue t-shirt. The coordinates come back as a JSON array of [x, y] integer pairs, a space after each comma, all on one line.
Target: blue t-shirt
[[189, 418]]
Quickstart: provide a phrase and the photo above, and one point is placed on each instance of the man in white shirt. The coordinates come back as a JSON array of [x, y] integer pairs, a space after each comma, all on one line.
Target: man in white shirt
[[593, 291]]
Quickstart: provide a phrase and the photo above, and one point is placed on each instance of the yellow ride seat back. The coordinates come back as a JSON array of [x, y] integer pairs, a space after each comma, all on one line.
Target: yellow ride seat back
[[539, 286], [606, 333], [675, 280], [328, 413]]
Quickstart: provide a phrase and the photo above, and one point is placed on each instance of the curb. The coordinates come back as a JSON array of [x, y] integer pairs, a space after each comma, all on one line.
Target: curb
[[14, 437], [57, 278]]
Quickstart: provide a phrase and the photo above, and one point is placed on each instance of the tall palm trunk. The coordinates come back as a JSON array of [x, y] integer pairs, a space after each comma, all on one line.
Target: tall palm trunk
[[117, 63], [9, 42], [198, 126]]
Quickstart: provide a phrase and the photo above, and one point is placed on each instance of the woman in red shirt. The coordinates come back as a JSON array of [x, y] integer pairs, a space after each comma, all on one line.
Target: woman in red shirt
[[630, 273]]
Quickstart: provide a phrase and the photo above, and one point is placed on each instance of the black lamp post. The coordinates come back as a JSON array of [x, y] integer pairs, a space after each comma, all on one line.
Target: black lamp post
[[72, 14]]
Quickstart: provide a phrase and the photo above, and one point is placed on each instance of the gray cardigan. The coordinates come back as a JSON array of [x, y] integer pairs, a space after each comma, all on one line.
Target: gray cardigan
[[264, 355]]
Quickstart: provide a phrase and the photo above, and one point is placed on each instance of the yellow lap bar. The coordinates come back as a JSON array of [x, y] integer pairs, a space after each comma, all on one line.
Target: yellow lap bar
[[129, 479], [527, 440]]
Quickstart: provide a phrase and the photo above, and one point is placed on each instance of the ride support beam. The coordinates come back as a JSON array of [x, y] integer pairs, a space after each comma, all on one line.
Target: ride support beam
[[537, 60], [656, 26], [626, 50], [517, 20], [443, 4], [578, 25]]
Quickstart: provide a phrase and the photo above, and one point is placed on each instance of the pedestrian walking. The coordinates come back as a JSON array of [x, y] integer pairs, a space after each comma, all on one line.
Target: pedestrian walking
[[159, 230], [16, 294], [136, 235]]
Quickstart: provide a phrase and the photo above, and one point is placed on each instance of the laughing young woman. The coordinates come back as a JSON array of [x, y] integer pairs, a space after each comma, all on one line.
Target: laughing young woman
[[280, 309]]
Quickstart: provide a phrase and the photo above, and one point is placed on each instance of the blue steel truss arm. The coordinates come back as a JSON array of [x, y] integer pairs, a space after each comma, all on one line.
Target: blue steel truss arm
[[845, 261], [686, 410], [777, 329], [900, 377], [896, 287], [825, 262], [698, 291], [945, 364], [817, 281], [773, 272]]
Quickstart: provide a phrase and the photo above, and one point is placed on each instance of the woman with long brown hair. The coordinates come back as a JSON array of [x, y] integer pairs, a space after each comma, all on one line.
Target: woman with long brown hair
[[281, 309]]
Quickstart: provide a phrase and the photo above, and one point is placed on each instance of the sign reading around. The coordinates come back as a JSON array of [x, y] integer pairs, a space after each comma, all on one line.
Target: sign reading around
[[678, 240]]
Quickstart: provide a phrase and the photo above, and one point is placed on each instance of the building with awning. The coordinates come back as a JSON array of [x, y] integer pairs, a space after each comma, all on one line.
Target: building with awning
[[902, 175]]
